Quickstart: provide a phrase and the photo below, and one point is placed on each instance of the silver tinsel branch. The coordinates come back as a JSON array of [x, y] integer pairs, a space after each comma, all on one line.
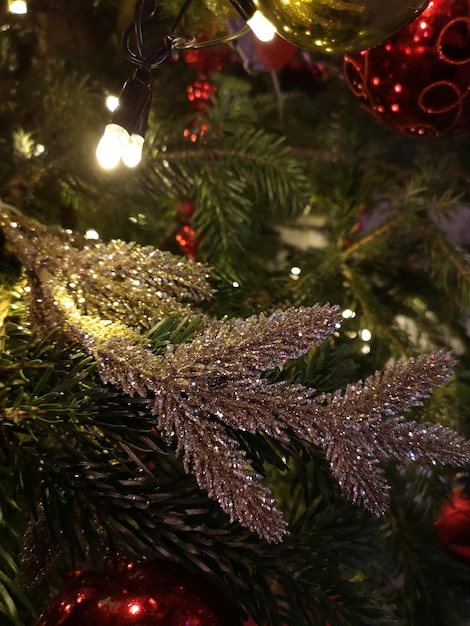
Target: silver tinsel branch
[[107, 296]]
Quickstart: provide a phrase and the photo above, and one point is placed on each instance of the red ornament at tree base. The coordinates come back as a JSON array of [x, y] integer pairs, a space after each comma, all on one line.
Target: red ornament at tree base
[[453, 525], [418, 81], [138, 594]]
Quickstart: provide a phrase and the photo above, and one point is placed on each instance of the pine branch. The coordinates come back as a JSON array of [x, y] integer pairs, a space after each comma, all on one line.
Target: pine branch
[[433, 580], [452, 272], [372, 237], [239, 182], [259, 161], [374, 310], [14, 602]]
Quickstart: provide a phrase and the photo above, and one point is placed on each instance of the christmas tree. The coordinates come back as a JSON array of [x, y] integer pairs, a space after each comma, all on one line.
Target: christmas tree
[[234, 375]]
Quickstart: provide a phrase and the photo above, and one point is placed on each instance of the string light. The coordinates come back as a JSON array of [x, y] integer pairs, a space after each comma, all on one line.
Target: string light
[[18, 7], [123, 138], [295, 272], [366, 335], [112, 102], [110, 146], [261, 27], [132, 152]]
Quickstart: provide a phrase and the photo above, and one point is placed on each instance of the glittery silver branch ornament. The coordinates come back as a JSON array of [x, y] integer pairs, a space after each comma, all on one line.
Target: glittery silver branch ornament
[[368, 427], [106, 296]]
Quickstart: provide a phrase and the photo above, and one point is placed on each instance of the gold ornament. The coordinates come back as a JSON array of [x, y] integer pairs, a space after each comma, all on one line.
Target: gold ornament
[[338, 25], [221, 9]]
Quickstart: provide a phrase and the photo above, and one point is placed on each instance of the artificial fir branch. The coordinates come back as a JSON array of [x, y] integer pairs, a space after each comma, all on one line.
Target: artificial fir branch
[[198, 388], [238, 182], [105, 478], [419, 553], [368, 427], [12, 594], [374, 235], [453, 273], [373, 309]]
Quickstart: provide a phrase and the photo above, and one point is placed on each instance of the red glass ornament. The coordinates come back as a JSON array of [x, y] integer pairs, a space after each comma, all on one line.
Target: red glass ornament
[[271, 55], [418, 81], [453, 525], [137, 594], [266, 56]]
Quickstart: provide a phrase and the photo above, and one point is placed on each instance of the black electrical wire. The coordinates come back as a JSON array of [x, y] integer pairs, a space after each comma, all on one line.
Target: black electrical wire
[[164, 46]]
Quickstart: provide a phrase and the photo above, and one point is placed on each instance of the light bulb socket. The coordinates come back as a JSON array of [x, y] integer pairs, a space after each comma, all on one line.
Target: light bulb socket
[[134, 103], [141, 125]]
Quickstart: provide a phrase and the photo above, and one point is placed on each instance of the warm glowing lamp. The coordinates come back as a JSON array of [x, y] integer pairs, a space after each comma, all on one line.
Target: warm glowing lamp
[[261, 26], [19, 7], [132, 151], [110, 146]]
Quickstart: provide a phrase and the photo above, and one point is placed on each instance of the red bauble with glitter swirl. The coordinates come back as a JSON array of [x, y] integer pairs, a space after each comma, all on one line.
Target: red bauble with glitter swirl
[[418, 81], [137, 594]]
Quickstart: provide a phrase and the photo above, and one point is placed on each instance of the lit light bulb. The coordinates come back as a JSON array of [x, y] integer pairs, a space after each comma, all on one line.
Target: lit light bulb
[[366, 335], [124, 136], [112, 103], [110, 146], [132, 150], [91, 233], [19, 7], [261, 26], [295, 272]]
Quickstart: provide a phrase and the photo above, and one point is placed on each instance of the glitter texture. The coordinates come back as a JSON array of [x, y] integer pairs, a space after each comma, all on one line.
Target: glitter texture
[[106, 296]]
